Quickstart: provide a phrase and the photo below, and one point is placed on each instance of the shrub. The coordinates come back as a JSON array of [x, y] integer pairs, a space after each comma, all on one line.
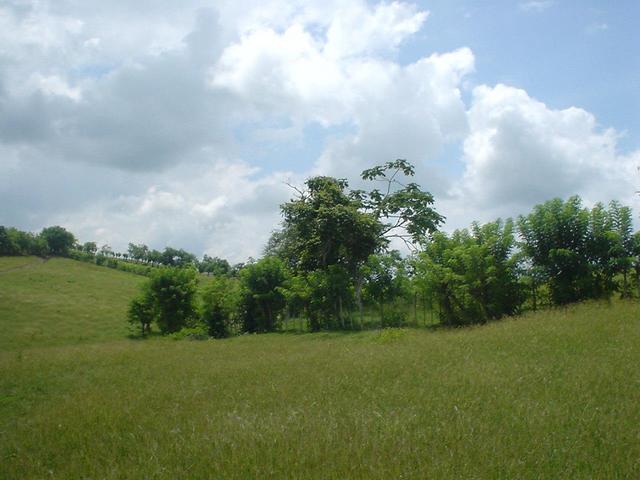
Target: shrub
[[262, 294], [220, 303], [172, 293]]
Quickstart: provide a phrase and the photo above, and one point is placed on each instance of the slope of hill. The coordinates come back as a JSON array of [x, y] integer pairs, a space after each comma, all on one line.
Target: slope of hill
[[546, 395], [61, 301]]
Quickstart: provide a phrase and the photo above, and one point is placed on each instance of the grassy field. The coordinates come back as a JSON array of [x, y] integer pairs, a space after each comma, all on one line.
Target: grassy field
[[549, 395], [61, 302]]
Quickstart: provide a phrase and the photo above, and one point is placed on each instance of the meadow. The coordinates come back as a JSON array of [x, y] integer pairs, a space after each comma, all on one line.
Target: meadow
[[552, 394]]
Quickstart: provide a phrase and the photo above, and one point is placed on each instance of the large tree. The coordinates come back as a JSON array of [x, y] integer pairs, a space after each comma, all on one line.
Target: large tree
[[59, 241], [329, 225]]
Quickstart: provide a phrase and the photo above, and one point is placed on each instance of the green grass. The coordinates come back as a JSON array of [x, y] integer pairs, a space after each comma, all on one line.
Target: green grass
[[61, 302], [547, 395]]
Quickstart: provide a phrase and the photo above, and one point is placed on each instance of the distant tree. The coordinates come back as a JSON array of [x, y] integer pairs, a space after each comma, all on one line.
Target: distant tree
[[177, 258], [138, 252], [90, 248], [154, 256], [58, 240], [214, 265], [262, 294]]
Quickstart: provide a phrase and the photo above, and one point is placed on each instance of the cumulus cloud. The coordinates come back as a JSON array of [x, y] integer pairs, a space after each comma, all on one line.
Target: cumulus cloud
[[520, 152]]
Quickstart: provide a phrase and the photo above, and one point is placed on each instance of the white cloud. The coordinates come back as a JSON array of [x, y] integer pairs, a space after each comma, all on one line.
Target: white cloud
[[520, 152]]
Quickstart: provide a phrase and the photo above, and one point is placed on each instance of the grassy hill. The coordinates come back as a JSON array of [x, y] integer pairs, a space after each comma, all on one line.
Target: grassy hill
[[547, 395], [61, 302]]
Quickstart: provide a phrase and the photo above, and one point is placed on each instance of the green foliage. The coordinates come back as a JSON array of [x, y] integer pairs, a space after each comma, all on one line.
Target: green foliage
[[172, 292], [8, 245], [177, 257], [58, 240], [141, 312], [17, 242], [325, 226], [330, 297], [138, 252], [386, 281], [330, 232], [262, 294], [220, 305], [579, 251], [90, 248], [413, 219], [472, 274], [195, 332], [214, 265]]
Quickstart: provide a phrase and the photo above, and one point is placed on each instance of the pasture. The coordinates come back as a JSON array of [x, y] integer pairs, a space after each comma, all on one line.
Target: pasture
[[552, 394]]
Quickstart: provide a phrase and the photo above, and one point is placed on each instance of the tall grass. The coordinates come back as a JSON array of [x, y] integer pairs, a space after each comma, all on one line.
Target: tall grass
[[552, 394]]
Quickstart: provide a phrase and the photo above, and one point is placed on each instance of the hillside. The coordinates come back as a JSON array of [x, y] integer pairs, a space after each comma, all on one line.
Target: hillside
[[546, 395], [61, 302]]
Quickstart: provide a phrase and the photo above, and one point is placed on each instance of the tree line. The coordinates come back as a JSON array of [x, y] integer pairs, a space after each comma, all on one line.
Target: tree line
[[330, 265], [57, 241]]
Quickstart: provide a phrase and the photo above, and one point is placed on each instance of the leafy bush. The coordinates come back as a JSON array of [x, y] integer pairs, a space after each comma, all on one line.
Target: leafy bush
[[197, 332], [141, 312], [220, 304], [472, 275], [262, 294], [168, 298]]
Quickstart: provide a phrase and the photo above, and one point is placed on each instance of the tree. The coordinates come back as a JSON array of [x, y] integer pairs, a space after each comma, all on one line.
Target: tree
[[141, 312], [7, 244], [330, 225], [385, 279], [58, 240], [624, 250], [472, 274], [214, 265], [90, 248], [138, 252], [172, 293], [220, 304], [555, 236], [177, 258], [262, 294]]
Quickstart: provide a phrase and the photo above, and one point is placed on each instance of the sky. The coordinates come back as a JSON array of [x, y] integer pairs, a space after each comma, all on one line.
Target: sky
[[182, 123]]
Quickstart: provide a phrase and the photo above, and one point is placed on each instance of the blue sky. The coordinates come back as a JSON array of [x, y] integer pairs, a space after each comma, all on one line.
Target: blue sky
[[179, 124]]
